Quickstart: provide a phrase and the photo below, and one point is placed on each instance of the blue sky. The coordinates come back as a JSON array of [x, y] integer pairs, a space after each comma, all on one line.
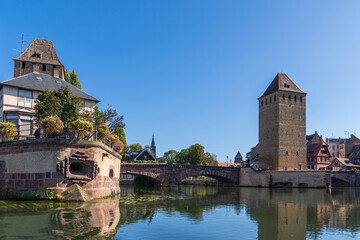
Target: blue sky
[[191, 71]]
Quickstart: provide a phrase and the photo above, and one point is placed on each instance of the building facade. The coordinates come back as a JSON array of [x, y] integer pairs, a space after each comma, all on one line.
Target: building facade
[[318, 155], [342, 147], [282, 126], [37, 69]]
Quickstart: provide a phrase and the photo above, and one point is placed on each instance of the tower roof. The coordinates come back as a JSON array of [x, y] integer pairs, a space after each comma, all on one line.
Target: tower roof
[[282, 82], [40, 51], [153, 141]]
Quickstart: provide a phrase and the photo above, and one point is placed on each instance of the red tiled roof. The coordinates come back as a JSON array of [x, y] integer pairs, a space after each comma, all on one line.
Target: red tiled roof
[[221, 164]]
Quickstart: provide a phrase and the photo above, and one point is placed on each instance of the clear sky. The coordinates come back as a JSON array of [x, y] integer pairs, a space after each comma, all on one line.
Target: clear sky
[[191, 71]]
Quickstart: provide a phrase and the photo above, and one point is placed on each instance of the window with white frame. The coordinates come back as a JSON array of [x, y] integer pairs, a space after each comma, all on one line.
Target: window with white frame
[[24, 99], [26, 125]]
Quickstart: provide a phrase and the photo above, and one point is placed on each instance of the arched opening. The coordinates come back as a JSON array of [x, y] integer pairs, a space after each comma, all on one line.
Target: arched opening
[[79, 168], [337, 182], [200, 180], [142, 181], [111, 173], [219, 179]]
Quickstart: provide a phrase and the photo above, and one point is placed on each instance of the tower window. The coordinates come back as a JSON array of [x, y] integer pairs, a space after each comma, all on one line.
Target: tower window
[[286, 85], [262, 102], [275, 98], [23, 64], [44, 67], [297, 153], [287, 153], [270, 99], [289, 97], [283, 96], [300, 99], [295, 98], [265, 101]]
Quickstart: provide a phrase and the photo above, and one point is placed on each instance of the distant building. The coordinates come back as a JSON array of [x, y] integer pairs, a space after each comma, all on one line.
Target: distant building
[[142, 155], [342, 147], [282, 126], [336, 147], [318, 155], [354, 155], [343, 164], [238, 158], [252, 157]]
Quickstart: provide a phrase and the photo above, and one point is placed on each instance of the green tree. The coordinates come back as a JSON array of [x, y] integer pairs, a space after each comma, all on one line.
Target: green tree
[[47, 104], [196, 154], [181, 157], [61, 103], [121, 133], [210, 159], [135, 147], [72, 78], [171, 156]]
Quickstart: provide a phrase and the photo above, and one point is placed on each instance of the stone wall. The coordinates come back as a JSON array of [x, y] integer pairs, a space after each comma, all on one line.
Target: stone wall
[[58, 164], [251, 178]]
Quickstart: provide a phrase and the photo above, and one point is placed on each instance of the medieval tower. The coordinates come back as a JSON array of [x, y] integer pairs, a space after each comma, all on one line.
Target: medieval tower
[[282, 126], [40, 56]]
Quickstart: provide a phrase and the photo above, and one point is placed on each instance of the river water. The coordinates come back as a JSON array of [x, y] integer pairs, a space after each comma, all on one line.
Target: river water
[[190, 212]]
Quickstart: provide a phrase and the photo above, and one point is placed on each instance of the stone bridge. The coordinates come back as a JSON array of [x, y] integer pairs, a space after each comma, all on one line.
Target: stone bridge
[[173, 174]]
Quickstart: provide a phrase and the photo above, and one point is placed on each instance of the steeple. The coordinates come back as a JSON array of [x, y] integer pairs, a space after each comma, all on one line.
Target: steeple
[[153, 147]]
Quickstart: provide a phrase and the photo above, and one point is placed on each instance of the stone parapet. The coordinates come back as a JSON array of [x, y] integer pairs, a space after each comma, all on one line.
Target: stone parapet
[[58, 164]]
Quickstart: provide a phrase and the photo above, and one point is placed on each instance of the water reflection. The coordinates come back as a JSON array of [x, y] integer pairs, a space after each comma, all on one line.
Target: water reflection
[[48, 220], [210, 212]]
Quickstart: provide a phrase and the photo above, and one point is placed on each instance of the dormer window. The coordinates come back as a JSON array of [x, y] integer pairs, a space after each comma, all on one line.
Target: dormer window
[[36, 55], [286, 85]]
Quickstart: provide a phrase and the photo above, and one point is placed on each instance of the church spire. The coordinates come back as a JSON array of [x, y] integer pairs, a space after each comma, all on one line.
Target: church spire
[[153, 146]]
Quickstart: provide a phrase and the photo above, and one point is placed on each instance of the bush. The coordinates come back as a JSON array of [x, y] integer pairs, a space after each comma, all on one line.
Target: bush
[[81, 128], [103, 133], [51, 126], [7, 131], [116, 144]]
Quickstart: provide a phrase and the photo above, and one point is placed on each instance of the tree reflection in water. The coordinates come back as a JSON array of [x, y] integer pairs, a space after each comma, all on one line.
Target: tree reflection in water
[[279, 213]]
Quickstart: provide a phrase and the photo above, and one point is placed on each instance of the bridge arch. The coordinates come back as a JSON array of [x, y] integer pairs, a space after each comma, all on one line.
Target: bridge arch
[[173, 174]]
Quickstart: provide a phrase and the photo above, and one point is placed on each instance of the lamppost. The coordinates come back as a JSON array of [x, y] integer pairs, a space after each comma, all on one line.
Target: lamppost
[[227, 160]]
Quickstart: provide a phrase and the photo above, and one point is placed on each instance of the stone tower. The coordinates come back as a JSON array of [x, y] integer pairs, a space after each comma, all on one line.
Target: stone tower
[[282, 126], [40, 56], [153, 147], [238, 158]]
